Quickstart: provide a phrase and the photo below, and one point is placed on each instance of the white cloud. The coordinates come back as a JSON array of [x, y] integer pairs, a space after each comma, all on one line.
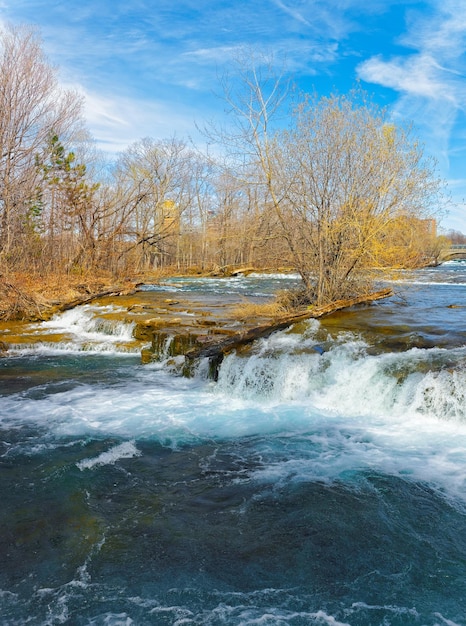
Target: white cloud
[[435, 69], [115, 122], [215, 54], [430, 83], [292, 12], [429, 95], [418, 75], [443, 33]]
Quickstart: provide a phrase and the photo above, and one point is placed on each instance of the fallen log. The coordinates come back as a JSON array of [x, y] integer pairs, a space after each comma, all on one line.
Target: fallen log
[[216, 350], [80, 300]]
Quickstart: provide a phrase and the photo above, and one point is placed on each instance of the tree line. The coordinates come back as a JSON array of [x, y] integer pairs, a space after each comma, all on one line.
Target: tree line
[[326, 186]]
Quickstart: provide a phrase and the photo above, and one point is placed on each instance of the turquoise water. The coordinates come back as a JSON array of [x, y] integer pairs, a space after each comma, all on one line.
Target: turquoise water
[[297, 489]]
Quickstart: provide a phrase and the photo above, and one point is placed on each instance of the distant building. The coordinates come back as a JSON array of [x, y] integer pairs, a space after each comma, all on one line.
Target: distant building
[[170, 218]]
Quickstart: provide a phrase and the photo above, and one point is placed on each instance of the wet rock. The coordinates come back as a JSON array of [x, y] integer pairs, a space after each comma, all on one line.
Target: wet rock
[[147, 356], [144, 330], [165, 345], [242, 271], [202, 322], [139, 308]]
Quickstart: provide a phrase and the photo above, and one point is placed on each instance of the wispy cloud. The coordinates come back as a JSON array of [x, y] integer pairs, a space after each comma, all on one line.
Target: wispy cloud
[[212, 56], [435, 69], [419, 75], [117, 121], [430, 80], [442, 33], [294, 13]]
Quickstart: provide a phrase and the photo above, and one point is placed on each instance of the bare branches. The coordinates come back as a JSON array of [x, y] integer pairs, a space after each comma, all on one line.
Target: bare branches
[[31, 106], [338, 179]]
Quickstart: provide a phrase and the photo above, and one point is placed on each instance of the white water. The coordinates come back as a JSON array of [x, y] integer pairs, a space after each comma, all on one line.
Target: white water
[[399, 413], [126, 450], [261, 465], [84, 328], [256, 284]]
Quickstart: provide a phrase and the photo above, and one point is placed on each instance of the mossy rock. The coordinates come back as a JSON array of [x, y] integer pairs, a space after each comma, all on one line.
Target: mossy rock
[[145, 329], [165, 345]]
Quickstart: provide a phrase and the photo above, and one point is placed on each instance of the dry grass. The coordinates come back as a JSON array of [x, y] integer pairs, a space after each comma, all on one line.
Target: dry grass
[[32, 296], [29, 296], [269, 310], [16, 301], [286, 302]]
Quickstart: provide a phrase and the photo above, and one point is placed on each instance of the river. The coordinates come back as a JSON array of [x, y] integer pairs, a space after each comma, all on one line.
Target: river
[[300, 488]]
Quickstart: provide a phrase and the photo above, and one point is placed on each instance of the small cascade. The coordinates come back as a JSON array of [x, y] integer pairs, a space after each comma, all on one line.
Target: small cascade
[[85, 328], [346, 379], [165, 345], [87, 321]]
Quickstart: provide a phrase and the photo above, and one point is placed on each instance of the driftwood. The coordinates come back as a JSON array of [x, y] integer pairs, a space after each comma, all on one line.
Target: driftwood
[[71, 304], [218, 349]]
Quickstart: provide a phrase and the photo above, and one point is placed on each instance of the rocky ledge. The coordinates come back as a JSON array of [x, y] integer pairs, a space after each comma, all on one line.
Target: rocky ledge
[[209, 327]]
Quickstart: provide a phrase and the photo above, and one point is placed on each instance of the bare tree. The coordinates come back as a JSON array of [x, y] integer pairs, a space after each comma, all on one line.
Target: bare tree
[[158, 177], [31, 106], [336, 175], [349, 175], [456, 237]]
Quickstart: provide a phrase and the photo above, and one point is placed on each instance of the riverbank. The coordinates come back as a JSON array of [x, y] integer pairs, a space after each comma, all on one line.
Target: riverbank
[[29, 297], [26, 297], [162, 313]]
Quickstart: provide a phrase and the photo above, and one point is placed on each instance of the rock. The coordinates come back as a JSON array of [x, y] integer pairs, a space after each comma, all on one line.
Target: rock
[[136, 308], [144, 330], [206, 322], [165, 345], [146, 356]]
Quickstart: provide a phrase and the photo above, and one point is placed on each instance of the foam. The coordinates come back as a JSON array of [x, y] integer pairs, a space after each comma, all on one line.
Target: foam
[[84, 323], [341, 412], [126, 450]]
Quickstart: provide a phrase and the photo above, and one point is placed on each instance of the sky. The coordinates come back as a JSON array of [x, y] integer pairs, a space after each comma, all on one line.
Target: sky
[[150, 68]]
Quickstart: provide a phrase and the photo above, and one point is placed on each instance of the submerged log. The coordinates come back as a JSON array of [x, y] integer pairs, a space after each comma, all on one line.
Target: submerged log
[[215, 351]]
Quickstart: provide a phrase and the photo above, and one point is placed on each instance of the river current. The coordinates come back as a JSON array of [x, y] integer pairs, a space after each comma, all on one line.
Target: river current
[[306, 486]]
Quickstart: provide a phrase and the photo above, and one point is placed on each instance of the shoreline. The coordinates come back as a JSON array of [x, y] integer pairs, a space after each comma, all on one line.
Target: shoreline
[[190, 325]]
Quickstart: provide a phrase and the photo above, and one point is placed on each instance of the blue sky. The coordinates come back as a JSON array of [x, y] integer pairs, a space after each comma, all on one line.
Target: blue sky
[[149, 68]]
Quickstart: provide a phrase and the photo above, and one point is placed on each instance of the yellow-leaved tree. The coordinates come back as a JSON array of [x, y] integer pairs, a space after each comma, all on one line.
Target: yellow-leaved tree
[[340, 178]]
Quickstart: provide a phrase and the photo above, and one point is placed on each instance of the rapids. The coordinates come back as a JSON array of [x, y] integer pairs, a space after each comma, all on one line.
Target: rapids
[[300, 488]]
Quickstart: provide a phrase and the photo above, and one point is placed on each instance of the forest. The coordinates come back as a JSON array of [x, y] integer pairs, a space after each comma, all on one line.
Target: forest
[[327, 187]]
